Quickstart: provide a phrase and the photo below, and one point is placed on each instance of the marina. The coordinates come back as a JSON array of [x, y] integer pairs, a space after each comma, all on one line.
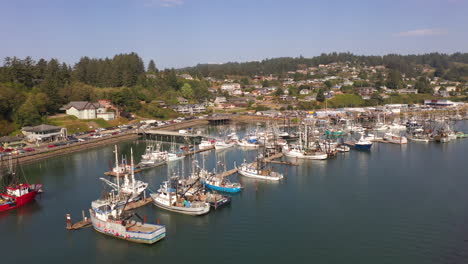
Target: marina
[[362, 185]]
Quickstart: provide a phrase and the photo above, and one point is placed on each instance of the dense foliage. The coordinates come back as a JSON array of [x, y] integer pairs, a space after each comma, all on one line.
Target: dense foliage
[[444, 65], [31, 90]]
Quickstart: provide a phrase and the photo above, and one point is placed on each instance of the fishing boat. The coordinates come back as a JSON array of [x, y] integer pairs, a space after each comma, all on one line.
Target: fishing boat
[[167, 198], [108, 217], [221, 184], [245, 143], [220, 145], [300, 153], [343, 148], [396, 139], [418, 138], [257, 170], [216, 200], [363, 144], [131, 188], [14, 192], [205, 144]]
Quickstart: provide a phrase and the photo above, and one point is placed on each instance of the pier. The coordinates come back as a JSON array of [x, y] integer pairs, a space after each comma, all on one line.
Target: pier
[[85, 222], [171, 136], [138, 204]]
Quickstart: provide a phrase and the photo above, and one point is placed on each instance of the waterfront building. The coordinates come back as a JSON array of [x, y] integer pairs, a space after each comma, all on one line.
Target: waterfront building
[[44, 133], [88, 110]]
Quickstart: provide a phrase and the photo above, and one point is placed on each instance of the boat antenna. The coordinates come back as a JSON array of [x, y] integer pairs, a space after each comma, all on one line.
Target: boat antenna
[[117, 168], [133, 169]]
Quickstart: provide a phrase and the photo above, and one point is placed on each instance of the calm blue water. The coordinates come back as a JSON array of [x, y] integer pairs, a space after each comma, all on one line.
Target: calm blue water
[[392, 205]]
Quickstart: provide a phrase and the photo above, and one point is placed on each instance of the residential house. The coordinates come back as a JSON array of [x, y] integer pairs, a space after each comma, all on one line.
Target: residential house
[[304, 92], [220, 100], [88, 110], [186, 76], [230, 86], [182, 100], [189, 108], [44, 133], [235, 92], [407, 91]]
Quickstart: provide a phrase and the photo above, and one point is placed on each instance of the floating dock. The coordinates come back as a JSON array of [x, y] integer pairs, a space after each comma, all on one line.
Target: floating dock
[[78, 225], [138, 204]]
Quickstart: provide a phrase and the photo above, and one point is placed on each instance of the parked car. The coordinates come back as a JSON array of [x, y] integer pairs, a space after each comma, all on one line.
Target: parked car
[[115, 133], [51, 146], [29, 149]]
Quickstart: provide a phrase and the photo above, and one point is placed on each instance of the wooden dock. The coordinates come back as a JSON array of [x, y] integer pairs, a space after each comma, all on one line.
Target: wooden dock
[[138, 204], [197, 151], [227, 173], [78, 225], [272, 159]]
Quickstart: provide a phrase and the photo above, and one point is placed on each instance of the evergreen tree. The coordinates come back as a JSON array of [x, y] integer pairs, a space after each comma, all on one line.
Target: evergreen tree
[[152, 67], [320, 96]]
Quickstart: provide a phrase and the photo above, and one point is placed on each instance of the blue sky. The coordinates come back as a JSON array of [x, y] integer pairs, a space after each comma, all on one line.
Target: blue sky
[[177, 33]]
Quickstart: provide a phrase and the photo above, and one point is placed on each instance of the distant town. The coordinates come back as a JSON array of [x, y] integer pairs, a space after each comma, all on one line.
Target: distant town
[[48, 101]]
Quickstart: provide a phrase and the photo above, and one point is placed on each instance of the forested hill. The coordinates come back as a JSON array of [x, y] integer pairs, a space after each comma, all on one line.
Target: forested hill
[[445, 65], [32, 90]]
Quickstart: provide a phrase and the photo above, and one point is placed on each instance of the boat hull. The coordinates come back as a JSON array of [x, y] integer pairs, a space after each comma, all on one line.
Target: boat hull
[[222, 189], [21, 201], [363, 146], [119, 231], [256, 176], [183, 210], [308, 157]]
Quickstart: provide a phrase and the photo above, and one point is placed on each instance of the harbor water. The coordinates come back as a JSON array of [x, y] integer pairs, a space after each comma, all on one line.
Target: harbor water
[[394, 204]]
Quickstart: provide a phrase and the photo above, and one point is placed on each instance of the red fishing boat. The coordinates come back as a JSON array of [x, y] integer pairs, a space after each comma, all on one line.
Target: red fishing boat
[[13, 193]]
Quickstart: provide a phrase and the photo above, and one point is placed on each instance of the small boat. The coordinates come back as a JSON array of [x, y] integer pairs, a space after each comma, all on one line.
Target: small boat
[[299, 153], [167, 198], [109, 218], [343, 148], [220, 145], [392, 138], [15, 193], [205, 144], [363, 144], [247, 144], [256, 171], [217, 200]]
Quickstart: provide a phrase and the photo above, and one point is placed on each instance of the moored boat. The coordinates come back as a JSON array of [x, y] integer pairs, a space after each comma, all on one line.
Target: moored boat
[[109, 218], [13, 192]]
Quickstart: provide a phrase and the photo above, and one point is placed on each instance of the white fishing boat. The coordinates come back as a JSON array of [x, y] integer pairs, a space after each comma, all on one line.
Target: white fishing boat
[[220, 145], [299, 153], [168, 199], [396, 139], [108, 217], [131, 188], [343, 148], [205, 144], [247, 144], [254, 170]]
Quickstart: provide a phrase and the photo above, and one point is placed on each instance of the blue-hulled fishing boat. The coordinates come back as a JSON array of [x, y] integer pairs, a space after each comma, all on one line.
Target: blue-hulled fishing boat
[[222, 185]]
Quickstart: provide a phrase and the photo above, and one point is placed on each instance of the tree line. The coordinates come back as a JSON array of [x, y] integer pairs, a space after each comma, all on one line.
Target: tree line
[[32, 90], [445, 65]]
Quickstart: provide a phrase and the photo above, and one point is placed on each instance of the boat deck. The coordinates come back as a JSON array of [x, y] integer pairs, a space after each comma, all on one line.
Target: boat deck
[[138, 204], [144, 228]]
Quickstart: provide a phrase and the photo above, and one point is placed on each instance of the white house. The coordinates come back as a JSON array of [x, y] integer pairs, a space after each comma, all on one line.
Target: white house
[[87, 110], [304, 92], [220, 100], [236, 92], [230, 86]]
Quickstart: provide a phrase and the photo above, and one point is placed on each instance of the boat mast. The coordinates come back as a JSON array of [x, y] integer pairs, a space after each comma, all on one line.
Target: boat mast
[[133, 169], [117, 168]]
